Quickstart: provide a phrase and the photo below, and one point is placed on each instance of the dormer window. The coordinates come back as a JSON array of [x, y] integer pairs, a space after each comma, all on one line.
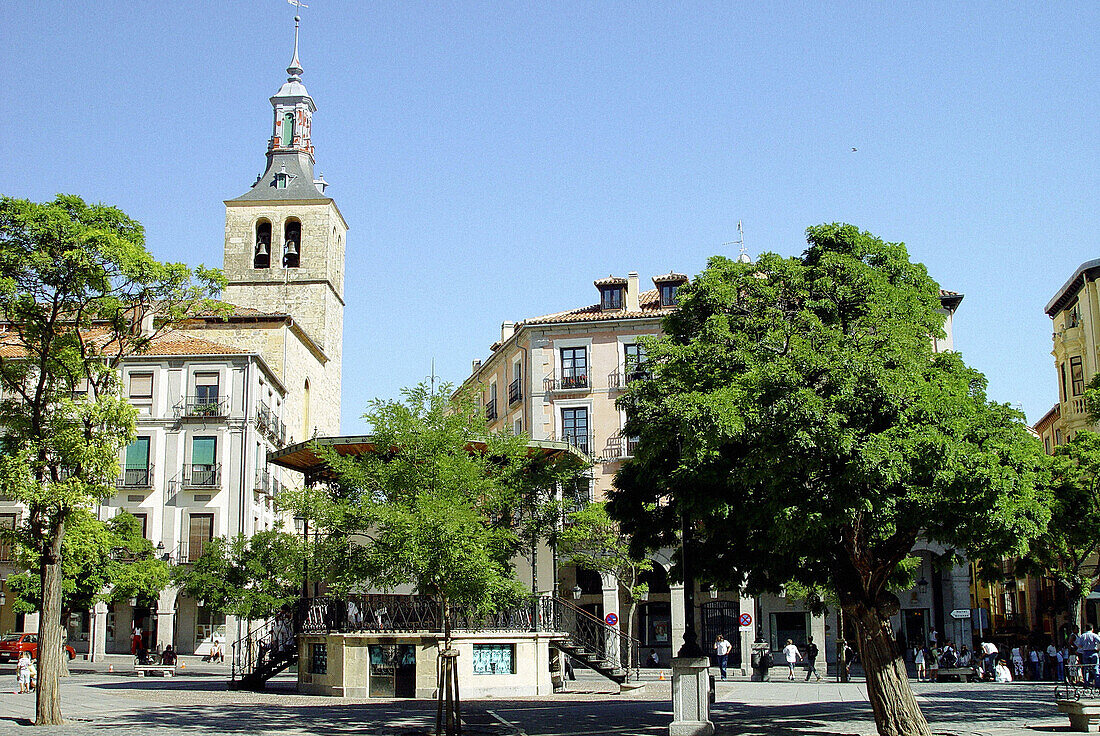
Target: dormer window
[[669, 287], [668, 294], [612, 298], [261, 258]]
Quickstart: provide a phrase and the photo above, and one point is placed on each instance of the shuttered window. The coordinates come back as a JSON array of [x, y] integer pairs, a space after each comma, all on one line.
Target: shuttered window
[[141, 385], [203, 450], [137, 454]]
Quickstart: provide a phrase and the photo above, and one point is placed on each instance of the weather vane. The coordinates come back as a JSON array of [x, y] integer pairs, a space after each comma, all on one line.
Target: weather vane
[[297, 3]]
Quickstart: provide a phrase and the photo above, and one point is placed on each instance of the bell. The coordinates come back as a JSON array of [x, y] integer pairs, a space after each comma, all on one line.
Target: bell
[[292, 248], [261, 248]]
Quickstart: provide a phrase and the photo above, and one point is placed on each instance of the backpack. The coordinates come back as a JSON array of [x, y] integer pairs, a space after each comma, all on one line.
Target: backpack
[[950, 659], [811, 652]]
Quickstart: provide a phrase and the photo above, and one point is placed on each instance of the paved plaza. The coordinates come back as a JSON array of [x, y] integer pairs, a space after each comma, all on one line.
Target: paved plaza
[[198, 702]]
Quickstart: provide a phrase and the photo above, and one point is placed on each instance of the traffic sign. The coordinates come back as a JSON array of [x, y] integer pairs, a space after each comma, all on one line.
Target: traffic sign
[[611, 619], [961, 613], [745, 621]]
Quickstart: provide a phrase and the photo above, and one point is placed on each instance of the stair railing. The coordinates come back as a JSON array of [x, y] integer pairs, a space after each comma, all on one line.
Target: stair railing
[[607, 643], [264, 649]]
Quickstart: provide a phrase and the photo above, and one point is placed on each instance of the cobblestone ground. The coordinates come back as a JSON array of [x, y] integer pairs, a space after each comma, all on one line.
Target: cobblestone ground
[[198, 702]]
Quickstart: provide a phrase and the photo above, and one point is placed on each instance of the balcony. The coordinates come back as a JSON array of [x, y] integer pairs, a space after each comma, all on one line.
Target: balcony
[[202, 476], [269, 425], [620, 379], [136, 478], [515, 392], [578, 382], [582, 442], [491, 410], [203, 407], [619, 448], [1077, 406], [263, 483], [188, 552]]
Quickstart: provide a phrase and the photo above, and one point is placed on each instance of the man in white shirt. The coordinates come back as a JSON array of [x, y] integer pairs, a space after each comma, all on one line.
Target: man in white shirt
[[792, 655], [722, 651], [1087, 644], [989, 656]]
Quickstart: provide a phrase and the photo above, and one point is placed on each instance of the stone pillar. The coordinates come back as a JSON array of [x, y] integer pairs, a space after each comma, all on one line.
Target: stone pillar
[[611, 605], [679, 620], [959, 630], [747, 605], [691, 697], [166, 618], [97, 647]]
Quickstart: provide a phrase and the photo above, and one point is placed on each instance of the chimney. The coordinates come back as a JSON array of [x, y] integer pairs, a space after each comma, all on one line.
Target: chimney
[[632, 292], [507, 329], [477, 366], [146, 324]]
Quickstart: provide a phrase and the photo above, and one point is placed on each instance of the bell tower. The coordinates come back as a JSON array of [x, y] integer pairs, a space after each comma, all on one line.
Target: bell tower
[[284, 237]]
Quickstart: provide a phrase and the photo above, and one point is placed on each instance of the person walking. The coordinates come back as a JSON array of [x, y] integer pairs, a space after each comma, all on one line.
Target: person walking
[[1017, 662], [722, 650], [811, 659], [918, 659], [1036, 664], [793, 656], [23, 672], [1087, 644]]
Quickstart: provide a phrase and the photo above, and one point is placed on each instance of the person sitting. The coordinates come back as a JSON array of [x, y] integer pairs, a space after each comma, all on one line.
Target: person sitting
[[168, 656], [1001, 672], [653, 660]]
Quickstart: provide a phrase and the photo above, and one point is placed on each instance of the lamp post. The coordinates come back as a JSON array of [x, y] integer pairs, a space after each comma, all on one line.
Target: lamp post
[[576, 591], [305, 554]]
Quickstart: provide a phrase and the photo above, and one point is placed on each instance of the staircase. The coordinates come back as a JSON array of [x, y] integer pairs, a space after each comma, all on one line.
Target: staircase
[[265, 652], [594, 644]]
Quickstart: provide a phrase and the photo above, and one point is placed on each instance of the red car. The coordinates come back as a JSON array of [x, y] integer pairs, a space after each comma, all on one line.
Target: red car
[[11, 645]]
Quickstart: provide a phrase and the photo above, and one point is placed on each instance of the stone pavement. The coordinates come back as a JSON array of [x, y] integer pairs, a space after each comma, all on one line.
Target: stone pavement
[[198, 702]]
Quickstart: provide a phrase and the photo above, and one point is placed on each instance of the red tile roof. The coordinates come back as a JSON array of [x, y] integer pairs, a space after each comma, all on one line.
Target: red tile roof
[[648, 301]]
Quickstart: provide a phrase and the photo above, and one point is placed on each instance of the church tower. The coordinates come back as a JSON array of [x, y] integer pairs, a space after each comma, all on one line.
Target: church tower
[[284, 252]]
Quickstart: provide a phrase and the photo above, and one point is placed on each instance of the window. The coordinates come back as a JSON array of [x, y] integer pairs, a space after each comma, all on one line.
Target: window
[[574, 367], [136, 472], [200, 532], [1077, 376], [206, 388], [612, 298], [1065, 392], [668, 294], [574, 427], [318, 660], [634, 361], [7, 523], [262, 256], [141, 386], [494, 659], [286, 135], [143, 521], [292, 243], [305, 410], [208, 625], [518, 427], [204, 469], [1046, 444], [1057, 437]]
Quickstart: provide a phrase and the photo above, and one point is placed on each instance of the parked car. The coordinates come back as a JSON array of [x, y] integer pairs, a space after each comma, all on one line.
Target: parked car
[[11, 645]]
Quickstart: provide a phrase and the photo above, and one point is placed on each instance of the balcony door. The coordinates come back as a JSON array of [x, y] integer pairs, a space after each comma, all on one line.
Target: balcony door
[[199, 534], [137, 463], [574, 427], [204, 469]]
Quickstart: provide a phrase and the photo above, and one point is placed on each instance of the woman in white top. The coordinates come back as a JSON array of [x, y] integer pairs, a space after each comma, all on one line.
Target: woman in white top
[[1017, 661], [792, 655], [23, 672], [1001, 673], [918, 659]]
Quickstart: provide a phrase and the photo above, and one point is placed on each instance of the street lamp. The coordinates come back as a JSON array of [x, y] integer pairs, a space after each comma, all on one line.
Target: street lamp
[[922, 585], [576, 591]]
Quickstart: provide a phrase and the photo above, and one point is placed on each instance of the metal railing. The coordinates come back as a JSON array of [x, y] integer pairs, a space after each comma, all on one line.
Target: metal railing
[[263, 482], [202, 476], [270, 425], [582, 442], [186, 553], [515, 391], [577, 382], [267, 649], [388, 612], [606, 644], [491, 410], [203, 407], [136, 478], [619, 447], [620, 378], [1080, 682]]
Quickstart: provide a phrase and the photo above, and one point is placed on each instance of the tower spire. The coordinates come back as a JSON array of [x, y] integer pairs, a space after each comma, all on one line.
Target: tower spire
[[295, 69]]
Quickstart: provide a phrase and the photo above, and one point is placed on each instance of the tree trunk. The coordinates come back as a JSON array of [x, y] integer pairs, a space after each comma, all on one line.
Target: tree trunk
[[50, 641], [1075, 604], [895, 708]]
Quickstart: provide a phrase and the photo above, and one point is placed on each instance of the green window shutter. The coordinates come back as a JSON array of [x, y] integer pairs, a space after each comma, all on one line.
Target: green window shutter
[[137, 454], [203, 450], [288, 130]]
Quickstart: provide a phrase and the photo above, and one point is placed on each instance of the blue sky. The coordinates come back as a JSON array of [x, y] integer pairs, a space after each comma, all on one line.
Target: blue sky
[[492, 159]]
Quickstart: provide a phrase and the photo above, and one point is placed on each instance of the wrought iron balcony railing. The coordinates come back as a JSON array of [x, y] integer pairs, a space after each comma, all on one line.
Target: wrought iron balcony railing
[[136, 478], [203, 407], [577, 382], [582, 442], [202, 475], [491, 410], [620, 378], [515, 392]]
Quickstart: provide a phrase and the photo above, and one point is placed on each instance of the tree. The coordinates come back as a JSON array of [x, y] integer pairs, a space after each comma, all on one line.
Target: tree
[[799, 419], [1067, 550], [435, 505], [78, 293], [249, 577], [594, 541]]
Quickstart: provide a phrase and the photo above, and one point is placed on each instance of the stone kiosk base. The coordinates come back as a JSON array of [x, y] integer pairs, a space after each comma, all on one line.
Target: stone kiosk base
[[691, 697], [372, 665], [1084, 715]]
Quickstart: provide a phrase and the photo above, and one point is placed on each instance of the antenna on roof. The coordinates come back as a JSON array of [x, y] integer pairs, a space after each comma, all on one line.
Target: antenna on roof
[[740, 242]]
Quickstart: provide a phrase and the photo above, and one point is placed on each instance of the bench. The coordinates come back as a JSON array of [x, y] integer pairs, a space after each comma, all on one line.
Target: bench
[[1084, 715], [961, 674], [164, 670]]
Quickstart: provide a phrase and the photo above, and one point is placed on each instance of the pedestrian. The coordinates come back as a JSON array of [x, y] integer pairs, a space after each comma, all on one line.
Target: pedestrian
[[216, 653], [1052, 661], [1017, 661], [1036, 664], [811, 659], [918, 659], [1086, 650], [934, 663], [722, 650], [989, 658], [933, 638], [1060, 665], [135, 641], [792, 655], [849, 658], [23, 672], [964, 656]]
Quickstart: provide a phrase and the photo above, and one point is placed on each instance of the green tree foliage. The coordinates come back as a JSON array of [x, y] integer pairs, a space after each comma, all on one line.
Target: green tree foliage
[[76, 288], [593, 540], [1066, 551], [799, 417], [100, 561], [250, 577]]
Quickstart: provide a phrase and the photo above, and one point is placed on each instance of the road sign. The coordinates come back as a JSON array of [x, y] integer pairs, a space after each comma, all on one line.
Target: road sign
[[961, 613], [745, 621], [611, 619]]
